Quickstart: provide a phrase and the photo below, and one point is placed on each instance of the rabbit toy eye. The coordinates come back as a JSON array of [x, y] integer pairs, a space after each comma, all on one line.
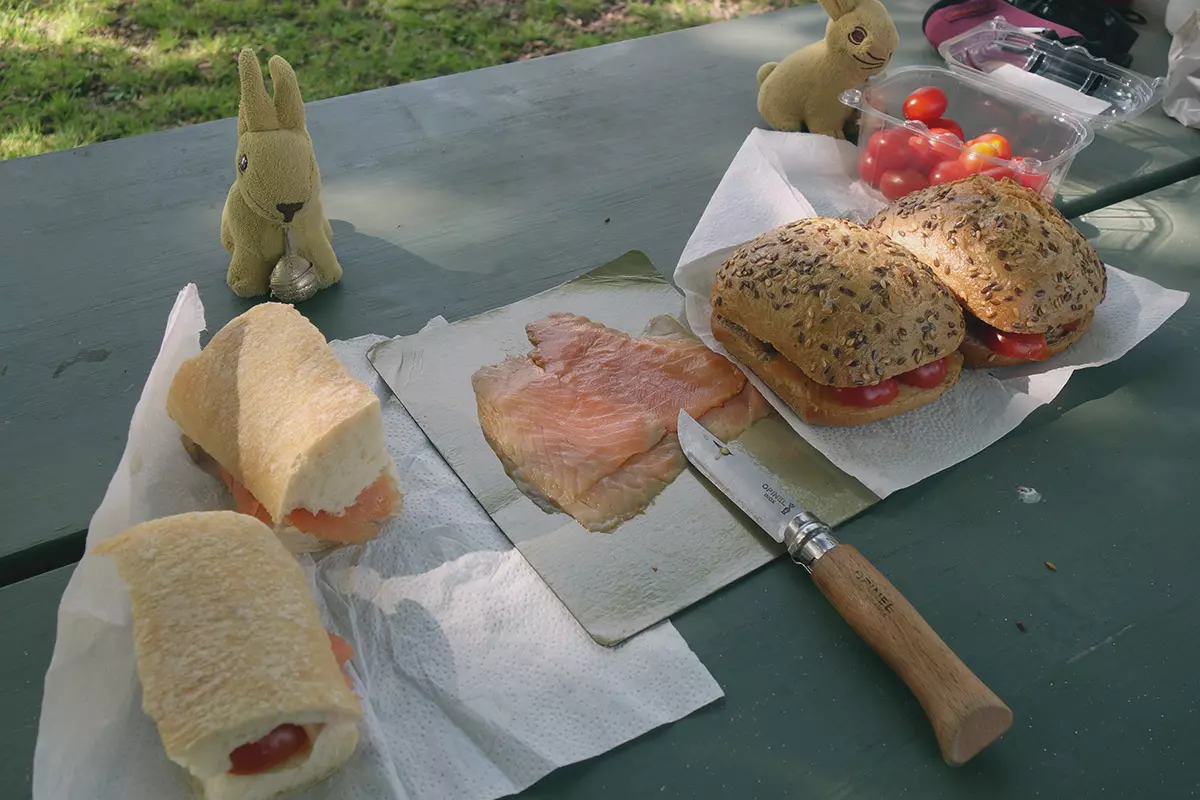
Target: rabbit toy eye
[[858, 36], [243, 162]]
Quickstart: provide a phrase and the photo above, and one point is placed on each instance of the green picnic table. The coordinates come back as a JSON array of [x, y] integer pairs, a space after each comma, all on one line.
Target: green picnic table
[[458, 194]]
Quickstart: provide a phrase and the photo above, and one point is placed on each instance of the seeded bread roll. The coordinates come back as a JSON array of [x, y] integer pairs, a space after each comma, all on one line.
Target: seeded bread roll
[[1009, 256], [844, 304], [810, 400]]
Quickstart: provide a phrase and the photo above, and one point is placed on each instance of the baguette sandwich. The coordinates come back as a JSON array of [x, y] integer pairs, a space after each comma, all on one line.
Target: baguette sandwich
[[237, 672], [268, 407], [844, 325], [1028, 281]]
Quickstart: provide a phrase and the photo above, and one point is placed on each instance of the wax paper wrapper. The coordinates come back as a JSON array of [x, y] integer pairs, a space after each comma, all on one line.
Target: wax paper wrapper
[[475, 680], [779, 177]]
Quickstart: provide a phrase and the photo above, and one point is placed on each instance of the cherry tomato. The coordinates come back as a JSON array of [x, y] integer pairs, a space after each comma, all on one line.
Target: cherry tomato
[[1033, 180], [1029, 346], [924, 156], [926, 104], [868, 168], [948, 143], [270, 751], [866, 396], [928, 375], [999, 143], [894, 184], [947, 171], [892, 150], [978, 156], [949, 125], [1000, 173]]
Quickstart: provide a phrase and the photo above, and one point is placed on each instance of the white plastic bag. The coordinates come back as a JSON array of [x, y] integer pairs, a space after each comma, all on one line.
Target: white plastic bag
[[1182, 99]]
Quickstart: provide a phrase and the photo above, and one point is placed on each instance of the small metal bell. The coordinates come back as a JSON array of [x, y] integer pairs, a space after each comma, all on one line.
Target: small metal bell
[[294, 278]]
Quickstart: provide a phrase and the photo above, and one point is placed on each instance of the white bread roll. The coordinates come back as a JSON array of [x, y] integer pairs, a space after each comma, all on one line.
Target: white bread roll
[[268, 399], [229, 646]]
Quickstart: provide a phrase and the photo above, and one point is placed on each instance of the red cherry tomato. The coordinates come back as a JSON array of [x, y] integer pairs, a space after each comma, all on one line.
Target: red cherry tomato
[[946, 142], [894, 184], [924, 156], [1029, 346], [926, 376], [892, 150], [946, 172], [866, 396], [1035, 182], [998, 142], [949, 125], [868, 169], [1000, 173], [270, 751], [926, 104]]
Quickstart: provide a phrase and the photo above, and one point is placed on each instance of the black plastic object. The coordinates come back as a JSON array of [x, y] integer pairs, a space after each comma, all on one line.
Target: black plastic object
[[1104, 29]]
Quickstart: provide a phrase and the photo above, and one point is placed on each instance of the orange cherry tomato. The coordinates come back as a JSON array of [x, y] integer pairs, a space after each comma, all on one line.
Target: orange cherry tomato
[[1003, 148], [978, 156], [866, 396]]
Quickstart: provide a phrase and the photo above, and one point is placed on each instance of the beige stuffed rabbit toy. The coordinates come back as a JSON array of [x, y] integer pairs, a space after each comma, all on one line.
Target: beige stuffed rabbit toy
[[277, 185], [801, 92]]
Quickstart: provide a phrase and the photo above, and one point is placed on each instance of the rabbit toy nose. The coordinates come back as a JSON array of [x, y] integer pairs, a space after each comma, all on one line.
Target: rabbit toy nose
[[289, 210]]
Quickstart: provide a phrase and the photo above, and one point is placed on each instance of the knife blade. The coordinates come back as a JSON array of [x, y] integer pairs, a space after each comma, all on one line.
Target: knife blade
[[965, 714]]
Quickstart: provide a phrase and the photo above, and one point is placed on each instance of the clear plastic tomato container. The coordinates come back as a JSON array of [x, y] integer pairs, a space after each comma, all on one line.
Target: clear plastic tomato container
[[1042, 100]]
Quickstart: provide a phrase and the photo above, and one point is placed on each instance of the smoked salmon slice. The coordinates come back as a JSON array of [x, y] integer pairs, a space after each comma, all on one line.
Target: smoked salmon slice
[[358, 523], [559, 440], [586, 423], [658, 374]]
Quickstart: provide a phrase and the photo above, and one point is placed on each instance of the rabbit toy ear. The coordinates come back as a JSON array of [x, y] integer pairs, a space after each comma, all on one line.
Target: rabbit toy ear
[[289, 107], [254, 108], [838, 8]]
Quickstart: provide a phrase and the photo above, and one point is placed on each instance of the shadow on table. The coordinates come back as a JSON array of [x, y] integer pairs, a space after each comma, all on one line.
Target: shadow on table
[[376, 276]]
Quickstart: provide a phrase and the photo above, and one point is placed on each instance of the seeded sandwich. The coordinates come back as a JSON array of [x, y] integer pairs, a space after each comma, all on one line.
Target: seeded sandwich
[[1028, 281], [844, 325]]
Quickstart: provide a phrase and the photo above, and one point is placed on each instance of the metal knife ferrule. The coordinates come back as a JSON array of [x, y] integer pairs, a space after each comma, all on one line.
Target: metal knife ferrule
[[807, 539]]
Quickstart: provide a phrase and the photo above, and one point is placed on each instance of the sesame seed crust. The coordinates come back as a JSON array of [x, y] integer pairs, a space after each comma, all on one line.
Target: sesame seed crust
[[845, 304], [1009, 256]]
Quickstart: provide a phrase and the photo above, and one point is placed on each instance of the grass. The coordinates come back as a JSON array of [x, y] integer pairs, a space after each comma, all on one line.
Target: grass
[[73, 72]]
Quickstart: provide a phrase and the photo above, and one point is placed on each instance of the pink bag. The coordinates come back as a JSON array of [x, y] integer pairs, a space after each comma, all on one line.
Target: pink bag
[[946, 19]]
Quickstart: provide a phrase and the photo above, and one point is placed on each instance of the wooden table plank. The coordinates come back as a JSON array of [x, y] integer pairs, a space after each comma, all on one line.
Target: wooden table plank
[[28, 618], [448, 196], [1100, 680]]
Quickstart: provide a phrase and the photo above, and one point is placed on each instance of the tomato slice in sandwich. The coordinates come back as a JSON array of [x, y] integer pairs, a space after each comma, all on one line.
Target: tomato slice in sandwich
[[878, 394], [1028, 346]]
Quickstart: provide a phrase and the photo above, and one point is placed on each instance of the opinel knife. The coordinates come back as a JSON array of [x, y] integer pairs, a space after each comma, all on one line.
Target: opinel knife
[[966, 715]]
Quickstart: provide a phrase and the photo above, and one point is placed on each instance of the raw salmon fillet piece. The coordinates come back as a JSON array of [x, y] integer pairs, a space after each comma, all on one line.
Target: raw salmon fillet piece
[[560, 440], [660, 374]]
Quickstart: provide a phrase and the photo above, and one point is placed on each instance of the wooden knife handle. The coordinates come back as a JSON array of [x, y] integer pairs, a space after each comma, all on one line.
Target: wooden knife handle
[[966, 715]]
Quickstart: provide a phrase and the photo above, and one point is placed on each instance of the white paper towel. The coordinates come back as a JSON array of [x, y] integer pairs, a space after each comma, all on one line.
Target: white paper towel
[[1181, 99], [779, 177], [475, 679]]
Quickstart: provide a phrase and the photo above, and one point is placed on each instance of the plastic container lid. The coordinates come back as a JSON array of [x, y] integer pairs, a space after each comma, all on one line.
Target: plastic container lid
[[1069, 78]]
